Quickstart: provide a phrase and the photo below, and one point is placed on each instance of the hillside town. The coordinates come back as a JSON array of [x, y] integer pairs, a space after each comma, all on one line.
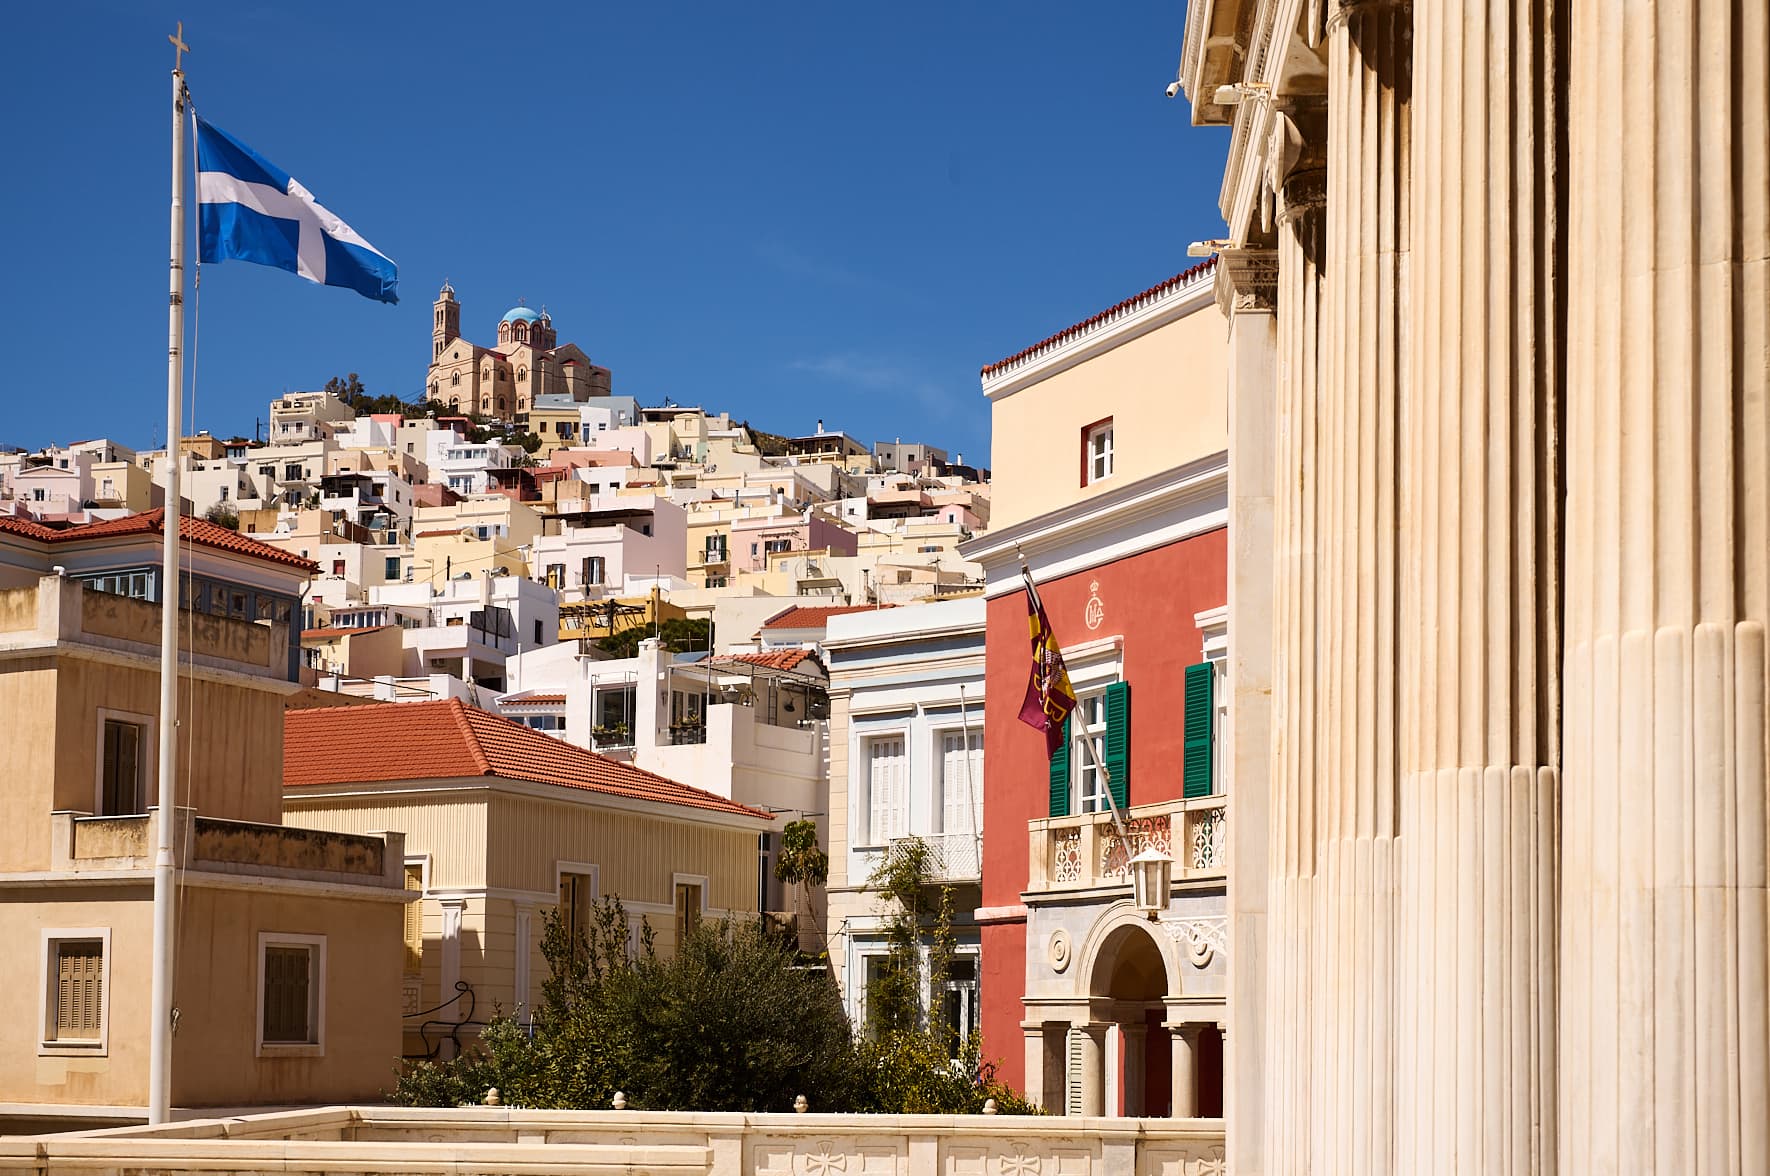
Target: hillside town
[[1327, 732], [532, 643]]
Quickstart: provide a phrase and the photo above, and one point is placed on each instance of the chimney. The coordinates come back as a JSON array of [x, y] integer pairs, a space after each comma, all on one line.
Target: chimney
[[958, 459], [820, 424]]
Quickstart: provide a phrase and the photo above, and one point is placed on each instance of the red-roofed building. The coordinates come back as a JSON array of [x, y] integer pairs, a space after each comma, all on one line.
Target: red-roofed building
[[225, 573], [1111, 480], [504, 823]]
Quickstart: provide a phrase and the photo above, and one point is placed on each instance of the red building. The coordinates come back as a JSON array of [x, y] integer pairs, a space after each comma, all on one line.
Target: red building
[[1091, 1004]]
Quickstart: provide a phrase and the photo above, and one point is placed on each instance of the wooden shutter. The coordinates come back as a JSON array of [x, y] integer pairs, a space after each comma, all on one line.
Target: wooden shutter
[[414, 930], [884, 789], [1060, 777], [79, 990], [1118, 741], [1200, 714], [286, 983], [1072, 1071]]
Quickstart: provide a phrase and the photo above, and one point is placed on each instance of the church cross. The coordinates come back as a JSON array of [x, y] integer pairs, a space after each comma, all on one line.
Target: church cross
[[179, 48]]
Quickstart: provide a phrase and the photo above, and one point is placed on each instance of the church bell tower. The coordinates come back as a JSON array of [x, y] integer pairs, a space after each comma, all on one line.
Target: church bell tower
[[447, 321]]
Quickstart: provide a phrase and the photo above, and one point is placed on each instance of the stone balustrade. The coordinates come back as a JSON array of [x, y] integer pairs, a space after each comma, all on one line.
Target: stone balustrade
[[1079, 852], [390, 1141]]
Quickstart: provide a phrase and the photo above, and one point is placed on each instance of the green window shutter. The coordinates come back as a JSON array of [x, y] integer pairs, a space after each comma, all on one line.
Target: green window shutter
[[1118, 741], [1200, 709], [1060, 777]]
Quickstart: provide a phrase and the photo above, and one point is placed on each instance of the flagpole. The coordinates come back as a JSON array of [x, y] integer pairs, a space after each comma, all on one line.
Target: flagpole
[[160, 1000]]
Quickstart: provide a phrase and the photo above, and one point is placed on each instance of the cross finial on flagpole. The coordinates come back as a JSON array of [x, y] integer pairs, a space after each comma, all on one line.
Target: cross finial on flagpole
[[179, 48]]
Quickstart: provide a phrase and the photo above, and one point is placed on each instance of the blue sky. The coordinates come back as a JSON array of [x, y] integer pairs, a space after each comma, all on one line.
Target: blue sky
[[787, 211]]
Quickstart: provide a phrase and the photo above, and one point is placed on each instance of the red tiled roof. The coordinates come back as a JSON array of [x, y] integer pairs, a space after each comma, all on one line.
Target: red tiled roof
[[1131, 303], [434, 534], [526, 699], [442, 740], [799, 617], [328, 633], [152, 522], [774, 659]]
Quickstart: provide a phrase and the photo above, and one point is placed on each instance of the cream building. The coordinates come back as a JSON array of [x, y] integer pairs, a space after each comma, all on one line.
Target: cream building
[[502, 823], [1495, 288], [285, 936], [502, 381]]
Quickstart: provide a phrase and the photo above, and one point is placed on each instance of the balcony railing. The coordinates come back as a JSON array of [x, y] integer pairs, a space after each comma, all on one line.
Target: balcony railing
[[682, 734], [952, 857], [1075, 853]]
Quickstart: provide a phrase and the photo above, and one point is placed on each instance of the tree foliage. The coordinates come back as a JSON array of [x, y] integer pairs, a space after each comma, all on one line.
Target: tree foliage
[[678, 634], [730, 1022], [349, 388], [224, 514]]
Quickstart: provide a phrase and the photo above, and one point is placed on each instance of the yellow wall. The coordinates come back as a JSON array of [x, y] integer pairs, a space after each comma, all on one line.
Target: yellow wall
[[231, 745], [1164, 390], [214, 1060], [451, 831]]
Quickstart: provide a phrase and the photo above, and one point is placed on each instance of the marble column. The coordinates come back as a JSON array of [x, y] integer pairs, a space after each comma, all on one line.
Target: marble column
[[1298, 174], [1091, 1060], [1479, 689], [1247, 286], [1133, 1035], [1183, 1047], [1665, 1014], [1360, 463]]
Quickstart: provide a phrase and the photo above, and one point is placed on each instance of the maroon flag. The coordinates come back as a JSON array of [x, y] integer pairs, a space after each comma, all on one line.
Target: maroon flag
[[1049, 696]]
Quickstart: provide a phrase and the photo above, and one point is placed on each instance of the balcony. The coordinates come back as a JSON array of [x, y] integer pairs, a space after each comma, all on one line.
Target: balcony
[[1080, 852], [952, 857], [85, 844]]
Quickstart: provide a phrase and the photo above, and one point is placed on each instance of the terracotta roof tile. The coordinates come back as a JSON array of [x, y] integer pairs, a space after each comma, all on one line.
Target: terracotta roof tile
[[800, 617], [536, 699], [1131, 303], [328, 633], [774, 659], [152, 522], [441, 740]]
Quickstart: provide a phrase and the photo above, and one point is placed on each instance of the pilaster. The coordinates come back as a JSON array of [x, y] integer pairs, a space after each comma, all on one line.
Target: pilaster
[[1665, 1013]]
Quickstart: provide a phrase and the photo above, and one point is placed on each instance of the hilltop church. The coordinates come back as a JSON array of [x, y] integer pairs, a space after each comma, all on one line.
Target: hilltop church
[[503, 382]]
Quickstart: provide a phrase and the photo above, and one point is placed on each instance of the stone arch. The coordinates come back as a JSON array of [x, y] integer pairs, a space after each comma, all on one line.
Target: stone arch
[[1112, 934]]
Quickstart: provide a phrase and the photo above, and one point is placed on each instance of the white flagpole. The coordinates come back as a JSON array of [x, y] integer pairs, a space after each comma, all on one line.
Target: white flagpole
[[160, 1003]]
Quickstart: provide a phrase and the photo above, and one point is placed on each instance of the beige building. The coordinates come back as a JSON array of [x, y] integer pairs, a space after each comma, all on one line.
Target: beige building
[[503, 381], [1500, 576], [278, 929], [501, 823]]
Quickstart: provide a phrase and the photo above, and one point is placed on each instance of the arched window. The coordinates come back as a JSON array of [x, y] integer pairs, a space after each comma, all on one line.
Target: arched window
[[500, 404], [522, 332], [433, 389], [522, 375], [455, 381], [454, 404]]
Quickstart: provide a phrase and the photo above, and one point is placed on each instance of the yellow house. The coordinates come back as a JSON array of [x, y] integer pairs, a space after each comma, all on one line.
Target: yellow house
[[503, 822], [477, 534], [284, 936]]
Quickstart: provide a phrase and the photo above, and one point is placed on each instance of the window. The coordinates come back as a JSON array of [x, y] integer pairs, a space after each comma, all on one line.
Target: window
[[959, 1001], [267, 471], [688, 910], [961, 782], [771, 546], [122, 767], [538, 630], [224, 493], [1097, 452], [414, 928], [291, 996], [338, 567], [556, 576], [1201, 714], [885, 787], [390, 568], [75, 990], [594, 570], [577, 895], [715, 549], [1098, 734], [291, 472], [37, 494]]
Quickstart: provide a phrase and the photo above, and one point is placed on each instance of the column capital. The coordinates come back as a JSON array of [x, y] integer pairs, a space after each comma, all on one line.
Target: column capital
[[1247, 280], [1303, 191], [1341, 11]]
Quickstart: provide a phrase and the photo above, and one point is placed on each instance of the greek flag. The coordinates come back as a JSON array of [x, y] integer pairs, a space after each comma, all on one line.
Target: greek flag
[[252, 210]]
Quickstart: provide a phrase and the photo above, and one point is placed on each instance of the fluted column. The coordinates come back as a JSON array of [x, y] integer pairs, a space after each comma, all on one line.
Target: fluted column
[[1247, 286], [1480, 629], [1359, 465], [1299, 176], [1664, 1010]]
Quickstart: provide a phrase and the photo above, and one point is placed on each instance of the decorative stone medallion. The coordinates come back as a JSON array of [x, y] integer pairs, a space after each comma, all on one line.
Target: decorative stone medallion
[[1057, 951], [1095, 612]]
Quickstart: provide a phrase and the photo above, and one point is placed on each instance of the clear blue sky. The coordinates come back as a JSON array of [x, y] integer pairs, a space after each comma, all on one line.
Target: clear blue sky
[[787, 211]]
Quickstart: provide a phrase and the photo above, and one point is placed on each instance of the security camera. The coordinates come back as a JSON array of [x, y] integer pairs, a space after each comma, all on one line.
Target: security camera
[[1173, 88]]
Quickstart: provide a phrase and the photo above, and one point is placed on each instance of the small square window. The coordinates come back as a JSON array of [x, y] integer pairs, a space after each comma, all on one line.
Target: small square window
[[1097, 463], [75, 996], [291, 993]]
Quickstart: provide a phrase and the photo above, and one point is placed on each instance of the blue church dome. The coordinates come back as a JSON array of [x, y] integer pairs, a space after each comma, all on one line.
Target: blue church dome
[[526, 314]]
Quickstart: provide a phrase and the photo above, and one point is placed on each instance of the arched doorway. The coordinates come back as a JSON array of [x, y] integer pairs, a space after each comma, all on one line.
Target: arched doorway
[[1157, 1053]]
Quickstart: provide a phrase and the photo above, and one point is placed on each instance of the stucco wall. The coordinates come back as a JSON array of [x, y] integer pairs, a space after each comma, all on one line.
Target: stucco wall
[[1036, 445]]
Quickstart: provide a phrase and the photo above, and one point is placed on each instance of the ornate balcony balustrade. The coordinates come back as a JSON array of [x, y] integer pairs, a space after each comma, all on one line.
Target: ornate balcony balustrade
[[1075, 853]]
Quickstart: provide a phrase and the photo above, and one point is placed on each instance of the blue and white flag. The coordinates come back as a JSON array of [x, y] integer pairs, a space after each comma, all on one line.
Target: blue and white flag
[[253, 210]]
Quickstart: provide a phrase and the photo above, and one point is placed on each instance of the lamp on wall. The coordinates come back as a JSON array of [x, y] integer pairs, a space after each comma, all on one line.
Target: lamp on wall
[[1151, 872]]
